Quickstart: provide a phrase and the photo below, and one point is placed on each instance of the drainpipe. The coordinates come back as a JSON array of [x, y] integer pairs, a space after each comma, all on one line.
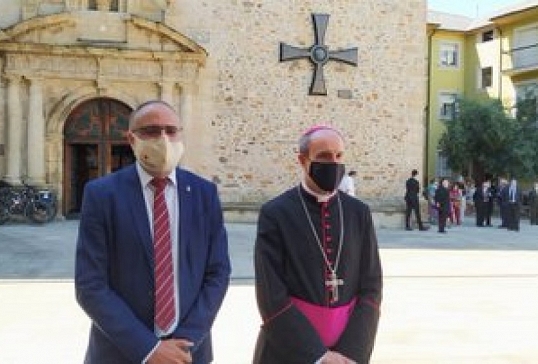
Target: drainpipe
[[428, 105], [500, 63]]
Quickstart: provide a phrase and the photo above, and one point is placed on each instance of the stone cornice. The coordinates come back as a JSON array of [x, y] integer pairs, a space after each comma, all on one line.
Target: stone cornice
[[37, 23], [183, 50], [110, 52], [168, 32]]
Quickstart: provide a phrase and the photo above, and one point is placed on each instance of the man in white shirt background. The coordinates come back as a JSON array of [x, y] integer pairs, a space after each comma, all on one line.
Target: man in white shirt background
[[348, 183]]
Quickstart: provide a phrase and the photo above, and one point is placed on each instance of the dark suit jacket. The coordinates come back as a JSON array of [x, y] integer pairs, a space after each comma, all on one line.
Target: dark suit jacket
[[114, 277], [479, 197], [412, 189], [442, 197]]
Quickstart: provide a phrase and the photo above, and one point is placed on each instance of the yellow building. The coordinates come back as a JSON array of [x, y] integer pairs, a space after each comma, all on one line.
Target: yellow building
[[494, 57], [446, 81]]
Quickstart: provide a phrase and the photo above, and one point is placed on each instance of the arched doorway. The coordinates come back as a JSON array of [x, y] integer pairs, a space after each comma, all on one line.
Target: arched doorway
[[95, 144]]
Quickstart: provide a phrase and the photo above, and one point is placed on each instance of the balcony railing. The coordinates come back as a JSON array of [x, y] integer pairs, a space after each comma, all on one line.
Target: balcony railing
[[520, 60]]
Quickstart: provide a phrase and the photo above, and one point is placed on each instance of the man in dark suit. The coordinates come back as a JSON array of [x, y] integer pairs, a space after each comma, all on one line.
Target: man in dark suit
[[514, 198], [151, 225], [483, 201], [412, 189], [502, 196], [442, 201]]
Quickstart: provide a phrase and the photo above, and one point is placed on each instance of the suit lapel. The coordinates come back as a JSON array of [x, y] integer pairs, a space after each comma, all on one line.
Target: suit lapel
[[185, 216], [139, 212]]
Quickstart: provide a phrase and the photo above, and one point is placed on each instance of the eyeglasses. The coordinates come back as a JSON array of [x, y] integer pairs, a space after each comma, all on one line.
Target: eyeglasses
[[155, 131]]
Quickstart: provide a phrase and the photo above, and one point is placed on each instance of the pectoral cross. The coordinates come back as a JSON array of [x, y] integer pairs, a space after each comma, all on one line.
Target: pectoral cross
[[333, 283]]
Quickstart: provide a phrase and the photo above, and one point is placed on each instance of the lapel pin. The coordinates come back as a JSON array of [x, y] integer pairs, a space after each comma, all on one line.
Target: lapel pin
[[188, 188]]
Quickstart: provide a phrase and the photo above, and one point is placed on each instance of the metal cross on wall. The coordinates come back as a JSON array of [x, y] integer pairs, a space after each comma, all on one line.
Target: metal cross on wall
[[318, 54]]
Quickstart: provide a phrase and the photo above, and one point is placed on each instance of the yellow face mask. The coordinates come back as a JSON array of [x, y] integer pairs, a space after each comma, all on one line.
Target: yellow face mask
[[158, 156]]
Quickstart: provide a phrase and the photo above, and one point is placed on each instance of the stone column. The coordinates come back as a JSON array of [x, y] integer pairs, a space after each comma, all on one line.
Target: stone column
[[14, 131], [36, 135], [167, 92], [186, 114]]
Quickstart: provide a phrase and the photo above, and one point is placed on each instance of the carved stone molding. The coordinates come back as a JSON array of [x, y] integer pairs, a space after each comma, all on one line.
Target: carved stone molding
[[91, 67], [50, 66]]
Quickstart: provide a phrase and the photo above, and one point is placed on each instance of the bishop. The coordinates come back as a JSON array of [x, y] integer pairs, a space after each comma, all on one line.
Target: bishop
[[317, 266]]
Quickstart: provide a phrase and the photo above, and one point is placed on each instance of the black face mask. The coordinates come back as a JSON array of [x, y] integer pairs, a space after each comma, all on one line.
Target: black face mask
[[327, 175]]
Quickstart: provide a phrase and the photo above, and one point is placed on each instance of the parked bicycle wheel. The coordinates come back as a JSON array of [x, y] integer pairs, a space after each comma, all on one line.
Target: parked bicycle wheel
[[39, 212]]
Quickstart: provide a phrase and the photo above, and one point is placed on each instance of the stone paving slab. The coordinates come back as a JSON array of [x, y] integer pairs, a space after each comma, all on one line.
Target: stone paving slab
[[465, 297], [47, 251]]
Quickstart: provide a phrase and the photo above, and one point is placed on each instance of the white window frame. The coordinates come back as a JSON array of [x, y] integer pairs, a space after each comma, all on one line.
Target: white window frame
[[441, 165], [524, 57], [447, 101], [521, 89], [449, 54], [481, 78]]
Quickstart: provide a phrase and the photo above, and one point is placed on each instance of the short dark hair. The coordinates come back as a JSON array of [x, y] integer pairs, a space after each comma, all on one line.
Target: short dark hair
[[414, 172]]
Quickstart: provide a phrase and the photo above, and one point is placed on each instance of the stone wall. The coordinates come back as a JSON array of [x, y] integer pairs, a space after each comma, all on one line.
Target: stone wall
[[257, 107], [246, 110]]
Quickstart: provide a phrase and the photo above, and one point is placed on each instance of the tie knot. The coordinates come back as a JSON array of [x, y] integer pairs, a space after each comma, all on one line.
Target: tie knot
[[159, 183]]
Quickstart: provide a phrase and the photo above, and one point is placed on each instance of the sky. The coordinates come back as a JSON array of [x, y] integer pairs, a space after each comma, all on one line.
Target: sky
[[470, 8]]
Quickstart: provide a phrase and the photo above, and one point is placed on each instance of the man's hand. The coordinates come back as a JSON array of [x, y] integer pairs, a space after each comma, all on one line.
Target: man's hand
[[332, 357], [173, 351]]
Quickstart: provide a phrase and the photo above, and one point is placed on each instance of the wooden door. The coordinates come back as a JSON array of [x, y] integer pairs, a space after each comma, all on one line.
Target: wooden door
[[95, 144]]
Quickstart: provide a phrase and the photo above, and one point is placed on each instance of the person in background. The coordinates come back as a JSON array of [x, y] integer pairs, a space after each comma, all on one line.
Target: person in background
[[492, 187], [317, 268], [463, 200], [412, 189], [348, 183], [432, 209], [502, 198], [152, 265], [455, 204], [514, 205], [470, 189], [533, 204], [442, 202], [483, 201]]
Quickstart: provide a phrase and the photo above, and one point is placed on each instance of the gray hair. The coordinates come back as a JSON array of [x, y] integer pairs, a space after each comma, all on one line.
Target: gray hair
[[306, 138]]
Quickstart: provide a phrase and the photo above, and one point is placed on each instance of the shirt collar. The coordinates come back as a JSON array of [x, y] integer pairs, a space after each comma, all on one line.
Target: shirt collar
[[320, 198], [145, 177]]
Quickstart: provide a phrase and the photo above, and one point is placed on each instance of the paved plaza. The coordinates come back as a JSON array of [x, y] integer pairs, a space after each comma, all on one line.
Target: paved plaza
[[467, 297]]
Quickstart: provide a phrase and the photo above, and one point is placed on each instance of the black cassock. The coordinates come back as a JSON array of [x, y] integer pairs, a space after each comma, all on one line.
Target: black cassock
[[289, 263]]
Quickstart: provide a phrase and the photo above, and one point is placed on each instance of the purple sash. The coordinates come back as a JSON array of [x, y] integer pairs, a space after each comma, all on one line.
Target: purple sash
[[329, 322]]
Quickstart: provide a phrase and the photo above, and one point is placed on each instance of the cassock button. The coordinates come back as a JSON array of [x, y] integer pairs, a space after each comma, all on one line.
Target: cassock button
[[329, 238]]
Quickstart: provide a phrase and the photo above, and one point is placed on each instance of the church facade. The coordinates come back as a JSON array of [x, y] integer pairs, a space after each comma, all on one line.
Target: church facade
[[72, 70]]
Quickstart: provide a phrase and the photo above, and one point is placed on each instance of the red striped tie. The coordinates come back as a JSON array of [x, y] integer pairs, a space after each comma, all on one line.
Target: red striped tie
[[165, 308]]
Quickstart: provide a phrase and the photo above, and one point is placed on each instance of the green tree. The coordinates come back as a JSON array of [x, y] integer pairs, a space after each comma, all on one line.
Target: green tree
[[524, 162], [480, 135]]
